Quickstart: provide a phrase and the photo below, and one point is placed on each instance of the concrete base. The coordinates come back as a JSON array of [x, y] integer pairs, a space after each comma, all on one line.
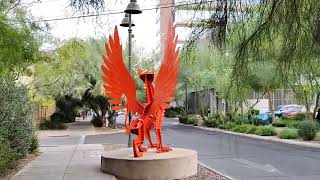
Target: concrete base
[[176, 164]]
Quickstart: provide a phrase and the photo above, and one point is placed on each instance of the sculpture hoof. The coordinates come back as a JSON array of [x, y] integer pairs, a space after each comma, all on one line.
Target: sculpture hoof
[[163, 149], [153, 146]]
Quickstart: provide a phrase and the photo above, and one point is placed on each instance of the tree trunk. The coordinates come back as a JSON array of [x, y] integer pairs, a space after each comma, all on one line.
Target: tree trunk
[[316, 107], [306, 102], [103, 118], [271, 109], [112, 119], [186, 101]]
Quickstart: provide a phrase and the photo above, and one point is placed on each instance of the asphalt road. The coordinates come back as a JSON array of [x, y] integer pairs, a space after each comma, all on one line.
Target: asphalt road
[[238, 157]]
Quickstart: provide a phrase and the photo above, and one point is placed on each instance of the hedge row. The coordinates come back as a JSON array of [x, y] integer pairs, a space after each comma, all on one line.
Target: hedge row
[[17, 136], [298, 128]]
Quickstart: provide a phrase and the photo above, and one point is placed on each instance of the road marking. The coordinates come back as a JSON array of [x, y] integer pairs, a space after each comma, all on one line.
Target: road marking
[[267, 167]]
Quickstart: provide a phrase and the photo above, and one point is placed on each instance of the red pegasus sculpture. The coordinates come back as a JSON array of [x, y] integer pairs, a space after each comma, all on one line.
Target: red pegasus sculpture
[[119, 84]]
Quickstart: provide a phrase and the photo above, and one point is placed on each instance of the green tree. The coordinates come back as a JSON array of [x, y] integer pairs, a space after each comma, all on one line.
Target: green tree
[[20, 40]]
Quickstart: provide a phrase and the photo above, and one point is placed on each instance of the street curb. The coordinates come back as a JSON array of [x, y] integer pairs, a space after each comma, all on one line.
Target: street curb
[[266, 138], [216, 171]]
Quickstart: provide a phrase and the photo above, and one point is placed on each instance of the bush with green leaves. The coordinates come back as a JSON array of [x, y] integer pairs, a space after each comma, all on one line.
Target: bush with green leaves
[[280, 123], [265, 131], [300, 117], [183, 119], [68, 106], [229, 125], [15, 117], [34, 144], [307, 130], [189, 119], [293, 124], [170, 113], [193, 120], [239, 128], [250, 129], [51, 125], [211, 122], [96, 122], [288, 134], [174, 111], [7, 156], [58, 117]]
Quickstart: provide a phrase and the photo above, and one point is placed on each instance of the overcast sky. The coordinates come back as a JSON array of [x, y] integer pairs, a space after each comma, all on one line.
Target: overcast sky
[[145, 31]]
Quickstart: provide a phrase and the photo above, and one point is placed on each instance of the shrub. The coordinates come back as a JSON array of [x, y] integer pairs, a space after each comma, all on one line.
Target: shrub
[[7, 156], [250, 129], [265, 131], [97, 122], [239, 119], [183, 119], [15, 117], [58, 117], [229, 125], [307, 130], [288, 134], [176, 110], [211, 122], [280, 123], [222, 126], [50, 125], [300, 117], [68, 105], [255, 121], [189, 119], [193, 120], [34, 144], [293, 124], [170, 113], [239, 128]]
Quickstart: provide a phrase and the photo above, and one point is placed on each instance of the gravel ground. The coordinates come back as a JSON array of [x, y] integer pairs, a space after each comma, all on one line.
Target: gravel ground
[[206, 174]]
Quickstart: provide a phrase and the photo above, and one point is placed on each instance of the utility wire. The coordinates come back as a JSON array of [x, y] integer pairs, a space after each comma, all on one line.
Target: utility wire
[[162, 6]]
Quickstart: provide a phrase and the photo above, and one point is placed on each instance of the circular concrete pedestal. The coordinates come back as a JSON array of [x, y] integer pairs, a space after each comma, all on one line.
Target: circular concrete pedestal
[[176, 164]]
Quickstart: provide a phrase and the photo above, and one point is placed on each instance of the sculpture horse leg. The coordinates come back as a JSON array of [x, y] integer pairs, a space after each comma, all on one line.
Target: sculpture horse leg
[[148, 125], [138, 150], [159, 120]]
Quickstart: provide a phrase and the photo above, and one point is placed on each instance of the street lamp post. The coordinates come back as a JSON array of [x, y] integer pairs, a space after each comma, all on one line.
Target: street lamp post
[[132, 8]]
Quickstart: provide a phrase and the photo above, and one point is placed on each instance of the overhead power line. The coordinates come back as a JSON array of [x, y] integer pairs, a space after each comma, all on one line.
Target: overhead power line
[[162, 6]]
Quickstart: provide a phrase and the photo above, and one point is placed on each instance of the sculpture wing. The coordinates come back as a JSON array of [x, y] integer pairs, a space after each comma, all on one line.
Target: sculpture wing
[[166, 81], [117, 79]]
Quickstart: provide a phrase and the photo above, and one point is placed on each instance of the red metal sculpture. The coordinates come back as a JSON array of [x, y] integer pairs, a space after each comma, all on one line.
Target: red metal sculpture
[[119, 84]]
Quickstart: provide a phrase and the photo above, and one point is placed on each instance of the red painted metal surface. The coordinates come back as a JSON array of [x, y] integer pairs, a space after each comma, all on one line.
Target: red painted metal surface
[[119, 84]]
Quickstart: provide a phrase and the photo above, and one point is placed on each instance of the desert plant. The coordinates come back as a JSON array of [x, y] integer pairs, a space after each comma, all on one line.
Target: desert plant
[[288, 134], [307, 130], [265, 131]]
